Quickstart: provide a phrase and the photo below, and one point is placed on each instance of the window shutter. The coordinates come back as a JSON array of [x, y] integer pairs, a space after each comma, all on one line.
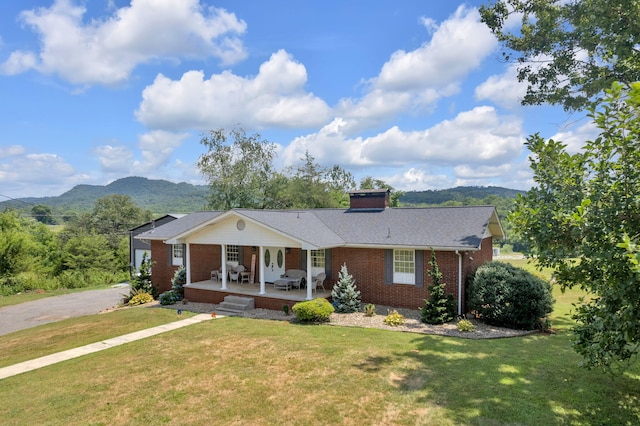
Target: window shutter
[[419, 268], [240, 255], [303, 260], [169, 254], [328, 269], [388, 266]]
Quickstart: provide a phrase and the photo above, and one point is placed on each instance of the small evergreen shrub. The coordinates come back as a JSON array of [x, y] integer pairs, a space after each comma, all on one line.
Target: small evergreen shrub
[[317, 310], [142, 279], [140, 299], [440, 307], [346, 298], [178, 281], [507, 296], [285, 309], [369, 309], [465, 326], [394, 319], [169, 298]]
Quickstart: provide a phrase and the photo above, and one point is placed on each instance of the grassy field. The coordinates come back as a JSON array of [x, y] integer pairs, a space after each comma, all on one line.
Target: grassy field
[[245, 371]]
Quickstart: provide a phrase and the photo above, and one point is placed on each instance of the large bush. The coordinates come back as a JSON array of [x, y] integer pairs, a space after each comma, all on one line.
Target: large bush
[[507, 296], [317, 310]]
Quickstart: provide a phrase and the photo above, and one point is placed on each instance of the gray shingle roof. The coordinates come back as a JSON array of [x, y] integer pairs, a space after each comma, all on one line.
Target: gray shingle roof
[[450, 228], [179, 226]]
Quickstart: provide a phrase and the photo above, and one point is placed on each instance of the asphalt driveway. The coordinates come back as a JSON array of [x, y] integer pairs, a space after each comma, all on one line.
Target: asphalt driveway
[[51, 309]]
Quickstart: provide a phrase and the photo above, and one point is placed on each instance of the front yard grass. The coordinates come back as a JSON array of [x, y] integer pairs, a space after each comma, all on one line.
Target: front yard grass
[[247, 371]]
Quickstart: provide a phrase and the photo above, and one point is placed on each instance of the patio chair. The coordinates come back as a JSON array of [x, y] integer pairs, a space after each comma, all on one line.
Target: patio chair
[[244, 274], [234, 275], [318, 281]]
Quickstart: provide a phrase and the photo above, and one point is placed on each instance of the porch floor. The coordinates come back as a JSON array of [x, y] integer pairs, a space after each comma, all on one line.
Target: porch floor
[[246, 289]]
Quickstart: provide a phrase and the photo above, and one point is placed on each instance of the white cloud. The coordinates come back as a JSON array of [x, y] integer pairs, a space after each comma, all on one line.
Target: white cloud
[[504, 89], [576, 139], [34, 174], [458, 46], [157, 147], [418, 78], [273, 98], [478, 136], [415, 179], [11, 151], [107, 51], [114, 159]]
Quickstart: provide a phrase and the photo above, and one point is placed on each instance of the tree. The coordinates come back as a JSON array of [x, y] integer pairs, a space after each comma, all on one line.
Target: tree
[[88, 252], [583, 210], [114, 215], [568, 52], [141, 281], [344, 294], [440, 307], [239, 174], [369, 182], [42, 214]]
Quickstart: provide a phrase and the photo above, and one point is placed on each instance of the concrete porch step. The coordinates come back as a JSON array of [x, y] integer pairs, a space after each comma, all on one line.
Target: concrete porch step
[[236, 304]]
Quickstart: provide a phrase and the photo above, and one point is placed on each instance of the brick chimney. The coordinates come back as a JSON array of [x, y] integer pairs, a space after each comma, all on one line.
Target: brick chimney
[[368, 199]]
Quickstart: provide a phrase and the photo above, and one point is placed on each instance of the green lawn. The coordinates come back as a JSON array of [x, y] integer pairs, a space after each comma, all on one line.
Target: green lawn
[[245, 371]]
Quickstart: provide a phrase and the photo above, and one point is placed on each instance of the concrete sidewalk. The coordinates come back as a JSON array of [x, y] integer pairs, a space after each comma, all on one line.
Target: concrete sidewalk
[[44, 361]]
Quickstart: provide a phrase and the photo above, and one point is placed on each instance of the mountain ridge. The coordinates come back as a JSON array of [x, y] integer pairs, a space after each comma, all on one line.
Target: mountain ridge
[[164, 197]]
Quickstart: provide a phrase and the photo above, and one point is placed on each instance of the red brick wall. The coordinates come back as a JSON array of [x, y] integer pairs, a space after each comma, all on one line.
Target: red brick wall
[[162, 271], [367, 268], [203, 260]]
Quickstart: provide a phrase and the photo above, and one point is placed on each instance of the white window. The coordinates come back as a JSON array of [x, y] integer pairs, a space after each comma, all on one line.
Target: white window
[[233, 254], [318, 258], [404, 266], [178, 254]]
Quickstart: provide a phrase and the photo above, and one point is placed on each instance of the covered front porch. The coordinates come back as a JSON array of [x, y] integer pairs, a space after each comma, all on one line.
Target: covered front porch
[[212, 291]]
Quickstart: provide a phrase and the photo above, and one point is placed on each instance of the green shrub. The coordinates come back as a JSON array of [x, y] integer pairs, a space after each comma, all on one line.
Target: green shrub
[[140, 299], [507, 296], [369, 309], [394, 318], [169, 298], [142, 279], [317, 310], [344, 294], [178, 281], [440, 307], [465, 326], [285, 309]]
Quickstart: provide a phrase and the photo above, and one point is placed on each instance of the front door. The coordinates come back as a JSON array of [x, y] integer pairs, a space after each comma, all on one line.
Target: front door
[[273, 263]]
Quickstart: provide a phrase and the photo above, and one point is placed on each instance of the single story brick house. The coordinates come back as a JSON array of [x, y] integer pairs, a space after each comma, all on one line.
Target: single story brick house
[[387, 250]]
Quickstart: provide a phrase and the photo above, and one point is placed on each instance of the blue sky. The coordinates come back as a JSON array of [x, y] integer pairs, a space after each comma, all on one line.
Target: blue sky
[[410, 92]]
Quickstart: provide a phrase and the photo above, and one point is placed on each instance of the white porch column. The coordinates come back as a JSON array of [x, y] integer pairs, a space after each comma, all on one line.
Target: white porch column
[[187, 261], [263, 289], [224, 266], [309, 276]]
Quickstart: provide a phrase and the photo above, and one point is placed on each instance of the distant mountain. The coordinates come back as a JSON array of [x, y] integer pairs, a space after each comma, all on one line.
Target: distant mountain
[[163, 197], [462, 194], [158, 196]]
